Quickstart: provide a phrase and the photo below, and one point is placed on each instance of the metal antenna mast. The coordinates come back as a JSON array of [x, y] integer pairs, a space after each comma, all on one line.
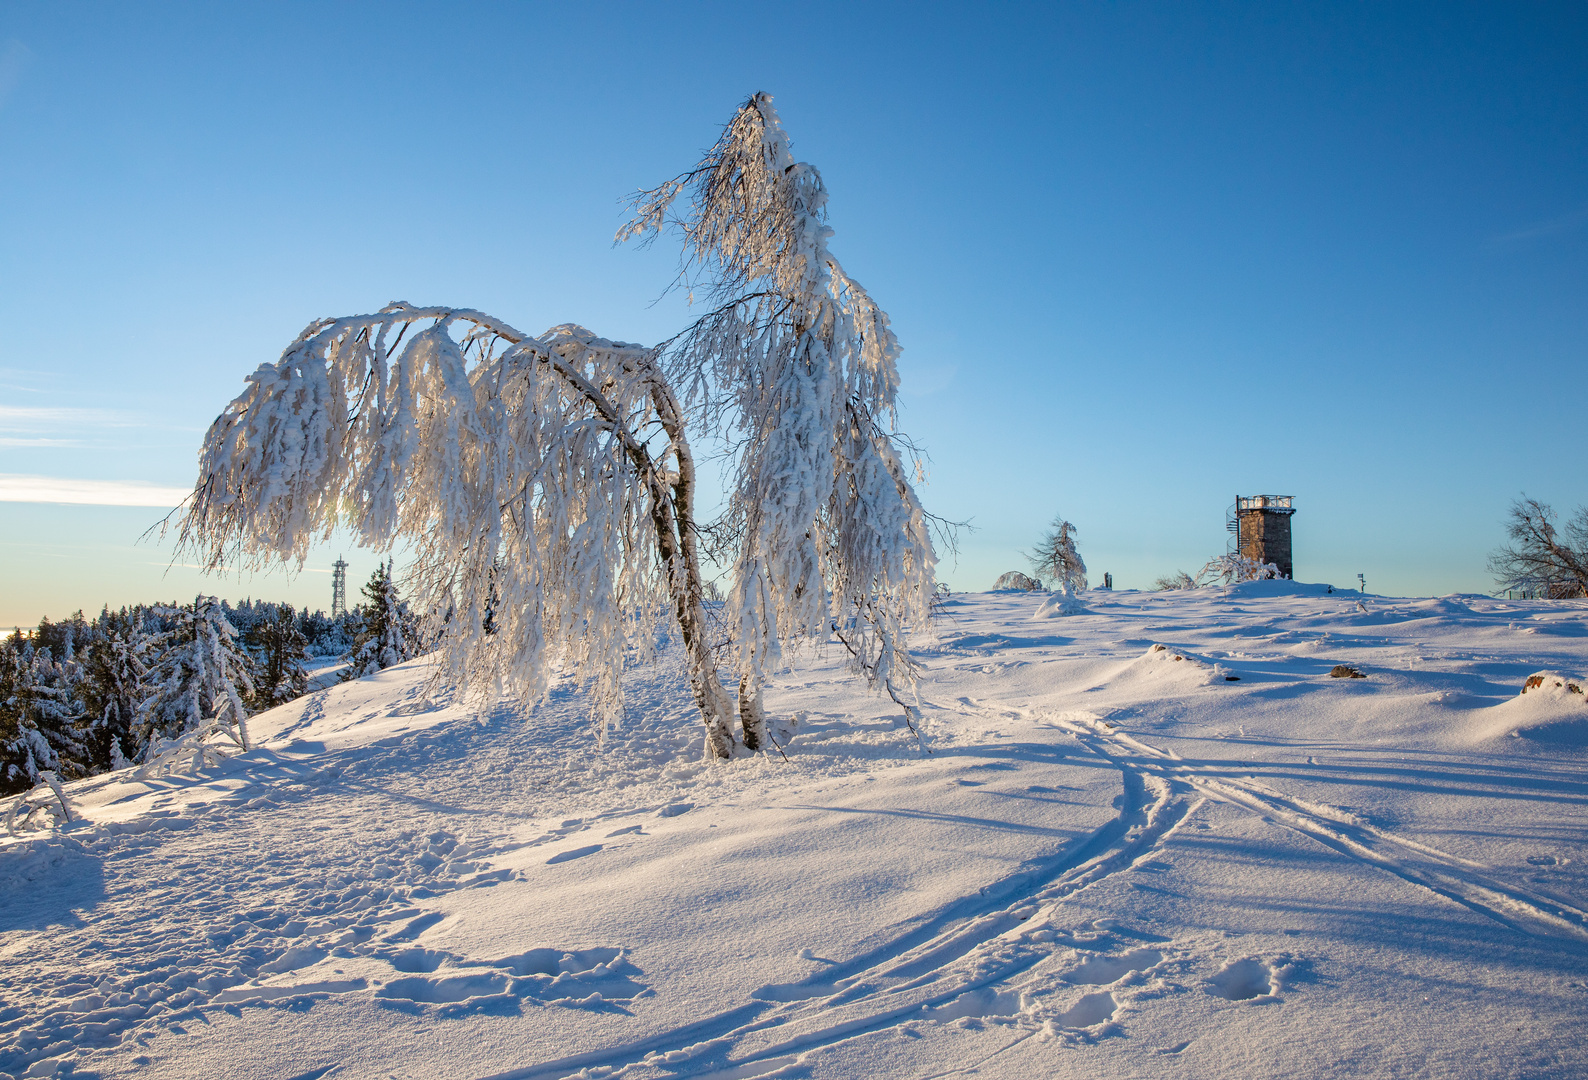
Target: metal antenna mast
[[338, 588]]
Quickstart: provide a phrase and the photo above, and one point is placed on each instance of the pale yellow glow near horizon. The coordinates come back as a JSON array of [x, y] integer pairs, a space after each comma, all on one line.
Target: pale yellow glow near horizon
[[20, 487]]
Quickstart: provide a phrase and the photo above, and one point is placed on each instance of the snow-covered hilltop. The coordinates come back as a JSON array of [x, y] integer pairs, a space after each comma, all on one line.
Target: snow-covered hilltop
[[1156, 837]]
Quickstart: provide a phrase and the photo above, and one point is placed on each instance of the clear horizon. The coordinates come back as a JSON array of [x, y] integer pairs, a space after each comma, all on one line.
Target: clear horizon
[[1140, 260]]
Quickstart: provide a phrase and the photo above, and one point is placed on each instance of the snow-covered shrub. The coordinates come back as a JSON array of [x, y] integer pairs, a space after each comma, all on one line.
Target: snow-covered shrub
[[1177, 580], [1060, 603], [1016, 581], [1233, 569], [47, 799]]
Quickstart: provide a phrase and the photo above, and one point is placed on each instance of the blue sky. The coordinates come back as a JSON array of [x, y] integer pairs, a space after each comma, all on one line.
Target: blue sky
[[1141, 257]]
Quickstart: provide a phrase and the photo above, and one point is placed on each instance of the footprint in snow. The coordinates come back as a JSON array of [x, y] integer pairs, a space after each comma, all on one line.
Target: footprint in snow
[[1090, 1011], [1104, 970], [1249, 979]]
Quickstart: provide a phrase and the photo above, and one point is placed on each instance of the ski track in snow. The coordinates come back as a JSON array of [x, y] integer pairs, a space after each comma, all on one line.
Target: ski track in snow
[[983, 957], [1451, 876], [307, 872]]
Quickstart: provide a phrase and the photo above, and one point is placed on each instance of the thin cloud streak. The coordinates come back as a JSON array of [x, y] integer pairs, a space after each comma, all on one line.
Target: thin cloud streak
[[14, 417], [1553, 227], [17, 487]]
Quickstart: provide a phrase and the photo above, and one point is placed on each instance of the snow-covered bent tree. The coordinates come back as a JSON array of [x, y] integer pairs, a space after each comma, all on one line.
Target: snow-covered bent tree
[[1056, 561], [547, 485]]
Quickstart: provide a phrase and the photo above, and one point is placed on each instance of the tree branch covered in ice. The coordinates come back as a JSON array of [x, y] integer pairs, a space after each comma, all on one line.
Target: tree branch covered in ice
[[1056, 561], [546, 484], [1232, 569], [538, 481], [796, 364], [1015, 580]]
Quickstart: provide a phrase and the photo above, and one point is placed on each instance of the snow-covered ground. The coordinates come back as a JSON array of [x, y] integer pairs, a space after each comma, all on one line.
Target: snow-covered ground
[[1114, 859]]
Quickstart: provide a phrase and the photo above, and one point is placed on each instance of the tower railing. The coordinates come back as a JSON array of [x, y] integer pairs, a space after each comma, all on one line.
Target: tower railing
[[1264, 502]]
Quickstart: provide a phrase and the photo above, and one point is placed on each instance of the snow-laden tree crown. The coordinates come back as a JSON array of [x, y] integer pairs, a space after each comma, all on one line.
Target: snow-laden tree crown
[[546, 484]]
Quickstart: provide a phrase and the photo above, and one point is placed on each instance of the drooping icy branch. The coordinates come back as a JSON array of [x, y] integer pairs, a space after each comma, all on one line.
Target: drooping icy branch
[[515, 467], [798, 362], [546, 484]]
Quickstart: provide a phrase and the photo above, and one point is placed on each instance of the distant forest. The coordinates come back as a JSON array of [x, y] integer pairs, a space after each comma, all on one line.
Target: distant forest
[[84, 696]]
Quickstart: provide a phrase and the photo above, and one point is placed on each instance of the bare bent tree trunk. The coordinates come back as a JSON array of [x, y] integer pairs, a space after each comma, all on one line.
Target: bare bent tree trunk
[[673, 513]]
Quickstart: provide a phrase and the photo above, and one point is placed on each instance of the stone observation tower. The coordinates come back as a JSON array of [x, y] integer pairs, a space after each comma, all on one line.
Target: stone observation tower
[[1262, 529]]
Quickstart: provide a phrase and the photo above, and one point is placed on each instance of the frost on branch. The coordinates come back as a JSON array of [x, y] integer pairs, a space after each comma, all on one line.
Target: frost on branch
[[796, 364], [1056, 561], [546, 485], [512, 465], [1233, 569]]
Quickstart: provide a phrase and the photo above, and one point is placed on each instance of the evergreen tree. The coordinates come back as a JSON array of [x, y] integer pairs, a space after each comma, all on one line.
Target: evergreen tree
[[41, 718], [200, 679], [279, 648], [115, 683], [388, 632]]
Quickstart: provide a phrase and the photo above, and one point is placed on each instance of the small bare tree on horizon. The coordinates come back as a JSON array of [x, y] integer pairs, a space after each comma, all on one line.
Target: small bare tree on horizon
[[1541, 558]]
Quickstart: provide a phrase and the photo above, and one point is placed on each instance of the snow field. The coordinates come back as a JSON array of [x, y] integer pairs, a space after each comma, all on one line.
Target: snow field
[[1113, 862]]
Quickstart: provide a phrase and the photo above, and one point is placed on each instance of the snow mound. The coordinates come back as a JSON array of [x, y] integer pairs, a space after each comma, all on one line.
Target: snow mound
[[1161, 665], [1059, 604], [32, 860], [1552, 708]]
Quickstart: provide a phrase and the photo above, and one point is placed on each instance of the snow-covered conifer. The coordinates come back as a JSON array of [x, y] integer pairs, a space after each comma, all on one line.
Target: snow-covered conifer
[[389, 634], [115, 684], [280, 649], [200, 676], [41, 718]]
